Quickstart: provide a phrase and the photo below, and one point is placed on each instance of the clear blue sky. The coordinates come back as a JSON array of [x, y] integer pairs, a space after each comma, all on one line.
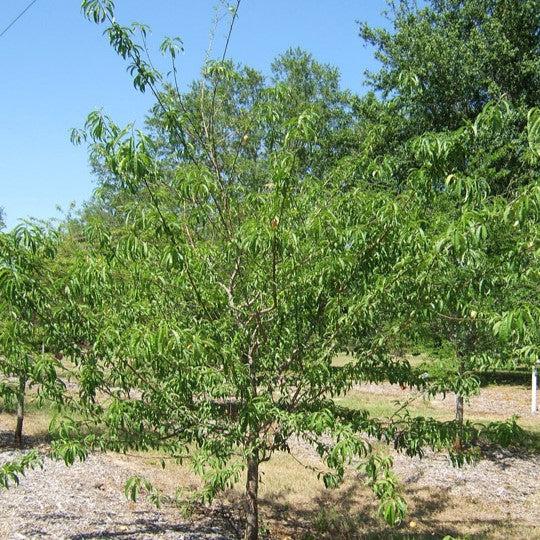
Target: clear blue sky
[[56, 67]]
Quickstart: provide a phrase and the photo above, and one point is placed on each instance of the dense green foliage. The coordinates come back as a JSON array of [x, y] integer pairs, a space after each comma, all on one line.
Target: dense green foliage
[[444, 62], [459, 82], [484, 244], [259, 226], [27, 285]]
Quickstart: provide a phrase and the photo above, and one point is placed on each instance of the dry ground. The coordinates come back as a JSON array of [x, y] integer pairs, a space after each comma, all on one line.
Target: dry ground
[[498, 498]]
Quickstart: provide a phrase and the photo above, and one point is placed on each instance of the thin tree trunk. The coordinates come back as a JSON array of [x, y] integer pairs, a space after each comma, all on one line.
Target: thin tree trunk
[[459, 409], [252, 496], [20, 410], [459, 399], [458, 444]]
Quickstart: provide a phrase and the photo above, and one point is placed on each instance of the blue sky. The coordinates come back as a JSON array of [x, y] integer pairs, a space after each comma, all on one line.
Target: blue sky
[[56, 67]]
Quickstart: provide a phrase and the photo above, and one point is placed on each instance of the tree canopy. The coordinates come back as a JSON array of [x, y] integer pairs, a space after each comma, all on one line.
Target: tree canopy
[[443, 62]]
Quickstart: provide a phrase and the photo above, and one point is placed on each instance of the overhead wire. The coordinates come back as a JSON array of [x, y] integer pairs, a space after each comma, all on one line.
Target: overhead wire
[[4, 31]]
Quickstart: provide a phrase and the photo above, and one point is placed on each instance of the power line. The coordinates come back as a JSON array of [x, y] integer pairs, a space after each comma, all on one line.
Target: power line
[[17, 17]]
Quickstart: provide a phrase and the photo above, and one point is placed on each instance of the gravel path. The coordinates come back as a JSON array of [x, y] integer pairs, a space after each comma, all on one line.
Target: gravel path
[[86, 501], [503, 480]]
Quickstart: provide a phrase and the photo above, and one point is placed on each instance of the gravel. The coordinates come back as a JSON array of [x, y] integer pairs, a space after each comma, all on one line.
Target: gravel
[[86, 501], [503, 479]]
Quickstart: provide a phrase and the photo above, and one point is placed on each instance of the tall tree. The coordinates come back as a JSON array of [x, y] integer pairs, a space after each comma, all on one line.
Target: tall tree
[[445, 61]]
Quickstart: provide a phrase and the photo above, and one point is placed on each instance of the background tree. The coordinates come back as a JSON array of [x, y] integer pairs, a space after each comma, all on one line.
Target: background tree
[[27, 293], [441, 63], [456, 86], [226, 121], [445, 61], [479, 256]]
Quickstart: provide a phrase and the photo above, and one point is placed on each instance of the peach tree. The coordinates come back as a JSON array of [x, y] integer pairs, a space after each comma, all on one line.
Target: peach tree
[[204, 323], [27, 297]]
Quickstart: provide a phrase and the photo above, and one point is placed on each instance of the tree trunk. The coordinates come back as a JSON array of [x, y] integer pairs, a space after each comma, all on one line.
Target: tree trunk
[[20, 410], [459, 399], [252, 498], [458, 444], [459, 409]]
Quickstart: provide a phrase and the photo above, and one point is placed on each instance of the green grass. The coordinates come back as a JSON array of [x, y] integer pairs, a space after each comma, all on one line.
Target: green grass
[[379, 405]]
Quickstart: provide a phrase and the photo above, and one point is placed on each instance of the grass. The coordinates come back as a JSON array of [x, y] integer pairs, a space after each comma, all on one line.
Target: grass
[[505, 389]]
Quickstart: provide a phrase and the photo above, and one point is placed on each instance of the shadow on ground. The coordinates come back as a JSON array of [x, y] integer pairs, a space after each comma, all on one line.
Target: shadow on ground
[[343, 515], [145, 524], [34, 440]]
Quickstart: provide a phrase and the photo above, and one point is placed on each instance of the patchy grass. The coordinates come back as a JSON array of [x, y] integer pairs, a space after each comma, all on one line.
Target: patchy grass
[[35, 428], [496, 402]]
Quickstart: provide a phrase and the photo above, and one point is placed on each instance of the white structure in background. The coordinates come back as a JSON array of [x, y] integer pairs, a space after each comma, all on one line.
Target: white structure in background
[[534, 389]]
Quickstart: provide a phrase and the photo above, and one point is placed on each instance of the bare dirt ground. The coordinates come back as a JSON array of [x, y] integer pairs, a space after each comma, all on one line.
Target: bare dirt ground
[[497, 498]]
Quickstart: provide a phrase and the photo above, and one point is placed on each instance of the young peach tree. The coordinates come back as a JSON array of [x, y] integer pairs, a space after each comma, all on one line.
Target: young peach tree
[[27, 293], [204, 324]]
